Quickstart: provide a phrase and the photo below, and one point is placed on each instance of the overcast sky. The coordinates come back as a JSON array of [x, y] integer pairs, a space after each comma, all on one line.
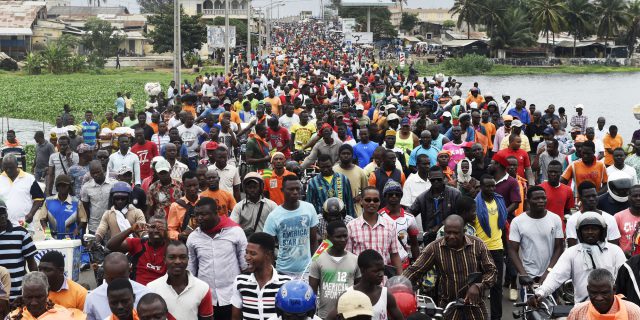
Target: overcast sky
[[293, 7]]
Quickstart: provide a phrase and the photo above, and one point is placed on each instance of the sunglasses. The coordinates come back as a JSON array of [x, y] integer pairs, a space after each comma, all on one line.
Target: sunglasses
[[369, 200], [436, 180], [394, 194]]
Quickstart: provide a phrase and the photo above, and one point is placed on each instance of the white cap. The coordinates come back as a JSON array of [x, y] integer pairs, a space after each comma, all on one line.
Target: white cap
[[516, 123], [392, 117], [579, 106], [447, 114]]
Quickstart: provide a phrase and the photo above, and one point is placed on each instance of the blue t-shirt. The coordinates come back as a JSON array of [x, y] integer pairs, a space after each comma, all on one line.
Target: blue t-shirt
[[292, 230], [364, 152], [90, 132], [522, 115], [431, 152]]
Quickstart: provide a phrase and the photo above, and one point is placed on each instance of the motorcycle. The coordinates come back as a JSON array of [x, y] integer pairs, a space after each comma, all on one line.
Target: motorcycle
[[97, 252], [549, 308], [427, 306]]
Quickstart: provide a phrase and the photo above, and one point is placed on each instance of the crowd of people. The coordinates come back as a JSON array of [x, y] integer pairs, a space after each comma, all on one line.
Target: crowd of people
[[293, 189]]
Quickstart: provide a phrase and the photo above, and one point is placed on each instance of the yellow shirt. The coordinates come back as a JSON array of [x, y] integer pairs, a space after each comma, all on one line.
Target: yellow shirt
[[303, 134], [495, 241]]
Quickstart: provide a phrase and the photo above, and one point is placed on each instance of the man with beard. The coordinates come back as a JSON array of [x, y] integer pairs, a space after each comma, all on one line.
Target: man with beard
[[146, 254]]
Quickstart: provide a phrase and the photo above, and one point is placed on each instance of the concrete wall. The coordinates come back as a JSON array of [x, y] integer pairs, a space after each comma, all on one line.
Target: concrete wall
[[142, 62]]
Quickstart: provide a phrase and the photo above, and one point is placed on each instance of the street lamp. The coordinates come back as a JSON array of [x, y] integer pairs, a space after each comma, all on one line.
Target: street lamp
[[177, 49]]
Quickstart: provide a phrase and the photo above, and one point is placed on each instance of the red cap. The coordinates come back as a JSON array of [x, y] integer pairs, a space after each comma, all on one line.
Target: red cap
[[501, 159], [211, 145]]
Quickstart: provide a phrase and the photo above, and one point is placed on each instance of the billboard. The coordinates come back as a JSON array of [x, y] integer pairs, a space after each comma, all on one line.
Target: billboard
[[359, 37], [348, 25], [215, 37]]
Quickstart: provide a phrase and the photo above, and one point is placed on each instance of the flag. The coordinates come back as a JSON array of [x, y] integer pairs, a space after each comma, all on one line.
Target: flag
[[324, 246]]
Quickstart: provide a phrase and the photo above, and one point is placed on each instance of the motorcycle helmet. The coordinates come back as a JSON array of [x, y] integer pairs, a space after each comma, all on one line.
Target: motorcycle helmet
[[591, 218], [619, 184], [121, 188], [296, 297], [402, 290]]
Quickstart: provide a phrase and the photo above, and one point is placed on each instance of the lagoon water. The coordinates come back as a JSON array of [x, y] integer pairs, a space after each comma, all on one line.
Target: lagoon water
[[611, 95]]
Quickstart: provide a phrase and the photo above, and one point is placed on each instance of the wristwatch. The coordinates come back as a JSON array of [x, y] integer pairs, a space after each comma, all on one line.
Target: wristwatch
[[549, 269]]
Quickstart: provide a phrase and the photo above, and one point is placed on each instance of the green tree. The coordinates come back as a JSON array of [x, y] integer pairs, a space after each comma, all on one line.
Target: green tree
[[579, 16], [101, 38], [513, 31], [55, 56], [547, 16], [380, 21], [154, 6], [468, 13], [633, 31], [193, 31], [448, 24], [611, 15], [408, 21]]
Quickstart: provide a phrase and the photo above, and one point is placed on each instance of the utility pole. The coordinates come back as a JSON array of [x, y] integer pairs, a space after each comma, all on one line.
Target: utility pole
[[177, 48], [226, 37], [249, 33]]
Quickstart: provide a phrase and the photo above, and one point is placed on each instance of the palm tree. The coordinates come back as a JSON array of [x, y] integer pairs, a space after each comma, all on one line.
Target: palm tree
[[96, 2], [467, 11], [513, 30], [491, 15], [578, 16], [633, 31], [547, 16], [611, 14]]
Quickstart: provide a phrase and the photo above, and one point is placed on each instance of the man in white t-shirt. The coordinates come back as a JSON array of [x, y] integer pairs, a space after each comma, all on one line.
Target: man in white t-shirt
[[589, 198], [536, 240], [288, 119], [189, 133]]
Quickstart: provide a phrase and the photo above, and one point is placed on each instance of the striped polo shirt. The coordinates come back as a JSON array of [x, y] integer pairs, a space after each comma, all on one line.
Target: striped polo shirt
[[255, 302], [90, 132], [15, 247]]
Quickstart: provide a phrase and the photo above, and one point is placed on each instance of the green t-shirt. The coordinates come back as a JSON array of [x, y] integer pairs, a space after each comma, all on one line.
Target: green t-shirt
[[254, 151]]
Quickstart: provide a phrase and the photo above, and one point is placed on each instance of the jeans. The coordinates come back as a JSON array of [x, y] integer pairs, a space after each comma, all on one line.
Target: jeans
[[222, 312], [496, 290]]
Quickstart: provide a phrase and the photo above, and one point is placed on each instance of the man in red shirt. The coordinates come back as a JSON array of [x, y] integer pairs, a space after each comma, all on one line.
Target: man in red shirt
[[146, 255], [279, 137], [524, 163], [145, 150], [561, 200]]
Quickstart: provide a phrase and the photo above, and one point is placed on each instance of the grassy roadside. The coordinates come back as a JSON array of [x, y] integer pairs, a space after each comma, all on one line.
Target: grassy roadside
[[41, 97], [503, 70]]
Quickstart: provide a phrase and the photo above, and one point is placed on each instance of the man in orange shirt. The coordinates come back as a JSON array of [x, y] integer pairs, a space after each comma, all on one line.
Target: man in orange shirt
[[273, 178], [387, 171], [586, 169], [179, 227], [611, 141], [62, 291], [224, 199], [474, 96], [276, 103]]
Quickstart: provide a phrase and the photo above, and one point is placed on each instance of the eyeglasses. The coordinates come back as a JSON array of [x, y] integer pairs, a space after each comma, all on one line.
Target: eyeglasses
[[369, 200]]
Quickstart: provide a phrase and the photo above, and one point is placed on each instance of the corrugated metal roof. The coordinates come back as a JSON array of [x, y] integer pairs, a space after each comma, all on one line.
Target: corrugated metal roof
[[15, 31], [85, 11], [19, 14], [460, 43]]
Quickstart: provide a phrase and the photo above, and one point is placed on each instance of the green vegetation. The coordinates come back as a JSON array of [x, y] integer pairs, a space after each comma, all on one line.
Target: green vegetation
[[504, 70], [41, 97], [514, 23]]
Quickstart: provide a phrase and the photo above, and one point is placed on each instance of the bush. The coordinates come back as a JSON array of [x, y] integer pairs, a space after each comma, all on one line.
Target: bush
[[8, 65], [96, 61], [33, 63], [470, 64], [76, 63]]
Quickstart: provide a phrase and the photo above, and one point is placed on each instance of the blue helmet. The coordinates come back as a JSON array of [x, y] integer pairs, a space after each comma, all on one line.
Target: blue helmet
[[296, 297], [121, 187]]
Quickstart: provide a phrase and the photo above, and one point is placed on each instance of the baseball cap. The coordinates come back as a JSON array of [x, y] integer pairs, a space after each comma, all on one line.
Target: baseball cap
[[447, 114], [63, 179], [354, 303], [248, 92], [390, 133], [392, 117], [2, 204], [581, 138], [211, 145], [124, 170], [507, 117], [359, 107], [467, 144], [516, 123], [405, 121], [83, 147], [162, 165], [548, 131], [579, 106]]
